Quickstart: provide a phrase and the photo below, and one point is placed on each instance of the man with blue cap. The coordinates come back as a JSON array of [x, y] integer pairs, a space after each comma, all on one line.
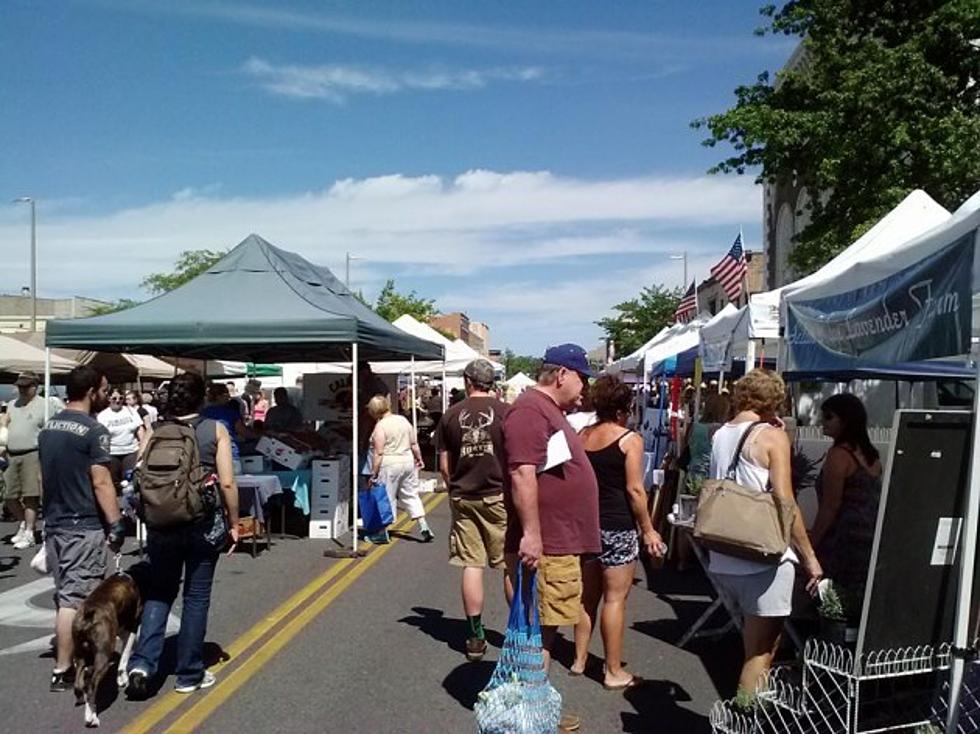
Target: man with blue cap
[[553, 502]]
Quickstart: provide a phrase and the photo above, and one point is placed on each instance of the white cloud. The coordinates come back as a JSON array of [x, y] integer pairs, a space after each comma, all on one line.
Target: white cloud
[[453, 233], [335, 82]]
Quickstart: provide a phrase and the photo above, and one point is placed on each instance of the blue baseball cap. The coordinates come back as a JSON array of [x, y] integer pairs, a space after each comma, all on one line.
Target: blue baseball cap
[[569, 356]]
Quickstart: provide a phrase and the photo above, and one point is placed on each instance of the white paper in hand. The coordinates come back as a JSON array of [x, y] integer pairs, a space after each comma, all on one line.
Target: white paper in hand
[[558, 452]]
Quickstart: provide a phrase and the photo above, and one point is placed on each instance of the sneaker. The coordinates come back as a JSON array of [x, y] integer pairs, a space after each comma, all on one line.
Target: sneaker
[[207, 680], [62, 681], [26, 541], [19, 535], [475, 649], [428, 536], [137, 689]]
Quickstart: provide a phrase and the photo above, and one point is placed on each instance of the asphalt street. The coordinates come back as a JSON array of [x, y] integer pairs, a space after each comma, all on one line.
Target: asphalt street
[[308, 644]]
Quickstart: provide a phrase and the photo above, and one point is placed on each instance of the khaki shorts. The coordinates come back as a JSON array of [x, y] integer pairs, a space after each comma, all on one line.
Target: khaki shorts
[[476, 538], [559, 586], [23, 476]]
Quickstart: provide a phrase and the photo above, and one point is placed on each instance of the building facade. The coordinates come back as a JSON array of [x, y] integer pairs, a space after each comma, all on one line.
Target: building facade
[[15, 311], [474, 333]]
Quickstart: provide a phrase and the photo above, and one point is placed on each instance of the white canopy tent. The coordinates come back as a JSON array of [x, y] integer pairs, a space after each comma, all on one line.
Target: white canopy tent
[[18, 356], [760, 320], [723, 338], [458, 353], [633, 361], [678, 338]]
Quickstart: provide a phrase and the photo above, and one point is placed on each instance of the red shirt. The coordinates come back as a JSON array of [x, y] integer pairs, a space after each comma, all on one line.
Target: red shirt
[[568, 496]]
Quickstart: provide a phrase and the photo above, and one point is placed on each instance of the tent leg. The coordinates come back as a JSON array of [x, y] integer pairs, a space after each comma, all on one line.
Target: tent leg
[[968, 552], [355, 465], [47, 383], [750, 355], [411, 394], [721, 381]]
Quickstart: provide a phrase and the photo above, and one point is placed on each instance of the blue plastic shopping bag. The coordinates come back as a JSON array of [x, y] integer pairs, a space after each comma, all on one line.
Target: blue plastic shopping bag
[[375, 508], [519, 699]]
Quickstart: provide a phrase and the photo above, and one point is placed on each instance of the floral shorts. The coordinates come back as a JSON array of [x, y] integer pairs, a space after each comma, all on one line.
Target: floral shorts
[[619, 547]]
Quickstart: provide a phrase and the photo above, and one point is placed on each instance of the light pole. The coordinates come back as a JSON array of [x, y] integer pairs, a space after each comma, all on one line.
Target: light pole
[[682, 256], [347, 269], [29, 200]]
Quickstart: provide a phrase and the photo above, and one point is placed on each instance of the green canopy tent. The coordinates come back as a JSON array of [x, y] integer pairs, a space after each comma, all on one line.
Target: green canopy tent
[[257, 304]]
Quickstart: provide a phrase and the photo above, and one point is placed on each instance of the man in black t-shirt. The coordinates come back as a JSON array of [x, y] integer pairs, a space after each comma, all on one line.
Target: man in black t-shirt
[[81, 513], [472, 463]]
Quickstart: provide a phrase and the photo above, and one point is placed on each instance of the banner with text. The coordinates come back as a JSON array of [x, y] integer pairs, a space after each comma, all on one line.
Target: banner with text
[[920, 312]]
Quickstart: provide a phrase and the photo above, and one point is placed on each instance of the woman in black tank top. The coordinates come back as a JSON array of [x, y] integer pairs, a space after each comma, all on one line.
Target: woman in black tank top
[[616, 456]]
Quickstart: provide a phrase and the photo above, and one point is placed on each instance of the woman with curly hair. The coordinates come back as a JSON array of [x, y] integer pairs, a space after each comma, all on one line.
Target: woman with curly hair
[[616, 455], [762, 591]]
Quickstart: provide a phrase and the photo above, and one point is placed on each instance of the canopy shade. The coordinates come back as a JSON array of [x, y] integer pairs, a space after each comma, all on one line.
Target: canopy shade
[[900, 371], [117, 367], [18, 356], [458, 353], [258, 303]]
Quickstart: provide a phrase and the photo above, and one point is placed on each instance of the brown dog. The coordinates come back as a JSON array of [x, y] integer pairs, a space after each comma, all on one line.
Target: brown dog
[[111, 611]]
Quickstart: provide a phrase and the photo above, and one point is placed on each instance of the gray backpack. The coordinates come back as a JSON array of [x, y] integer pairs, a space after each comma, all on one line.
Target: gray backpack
[[170, 479]]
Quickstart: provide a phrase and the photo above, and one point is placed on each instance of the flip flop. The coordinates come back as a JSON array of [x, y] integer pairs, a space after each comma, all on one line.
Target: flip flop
[[575, 673], [631, 683]]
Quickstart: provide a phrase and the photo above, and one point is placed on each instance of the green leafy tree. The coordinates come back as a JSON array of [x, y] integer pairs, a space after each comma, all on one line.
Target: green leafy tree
[[121, 305], [190, 264], [640, 318], [514, 363], [885, 99], [391, 304]]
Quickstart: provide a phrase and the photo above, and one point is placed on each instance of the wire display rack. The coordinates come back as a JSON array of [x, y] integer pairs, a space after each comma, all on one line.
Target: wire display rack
[[838, 693]]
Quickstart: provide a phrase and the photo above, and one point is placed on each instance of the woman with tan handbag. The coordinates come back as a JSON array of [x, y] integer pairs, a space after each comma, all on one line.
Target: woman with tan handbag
[[755, 444]]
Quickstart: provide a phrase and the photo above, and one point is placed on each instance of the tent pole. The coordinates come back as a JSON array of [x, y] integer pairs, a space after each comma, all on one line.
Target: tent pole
[[721, 381], [415, 420], [749, 355], [47, 383], [968, 552], [355, 465], [445, 395]]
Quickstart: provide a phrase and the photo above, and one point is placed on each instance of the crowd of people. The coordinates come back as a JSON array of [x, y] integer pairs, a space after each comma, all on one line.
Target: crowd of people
[[525, 486]]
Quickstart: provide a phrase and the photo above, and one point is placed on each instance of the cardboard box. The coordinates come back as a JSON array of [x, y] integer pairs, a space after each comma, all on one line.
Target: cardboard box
[[330, 524], [427, 485], [333, 471], [253, 464], [282, 453], [327, 498]]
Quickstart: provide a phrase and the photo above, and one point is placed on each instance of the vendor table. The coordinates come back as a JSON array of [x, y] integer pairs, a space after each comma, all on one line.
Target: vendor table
[[722, 599], [254, 492], [299, 482]]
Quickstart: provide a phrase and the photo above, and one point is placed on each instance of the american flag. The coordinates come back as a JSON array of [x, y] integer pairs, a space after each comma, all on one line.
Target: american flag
[[730, 272], [688, 305]]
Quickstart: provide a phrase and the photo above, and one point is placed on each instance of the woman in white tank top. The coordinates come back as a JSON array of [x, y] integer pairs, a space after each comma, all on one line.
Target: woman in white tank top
[[763, 592]]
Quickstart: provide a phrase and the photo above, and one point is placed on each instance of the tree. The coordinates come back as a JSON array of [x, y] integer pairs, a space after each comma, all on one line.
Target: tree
[[640, 318], [884, 101], [391, 304], [514, 363], [113, 306], [189, 265]]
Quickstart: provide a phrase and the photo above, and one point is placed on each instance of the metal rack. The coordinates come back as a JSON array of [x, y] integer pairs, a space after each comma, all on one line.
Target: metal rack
[[838, 693]]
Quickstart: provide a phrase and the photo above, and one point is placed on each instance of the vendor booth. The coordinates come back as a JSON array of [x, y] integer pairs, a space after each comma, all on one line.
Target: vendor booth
[[257, 304], [17, 356]]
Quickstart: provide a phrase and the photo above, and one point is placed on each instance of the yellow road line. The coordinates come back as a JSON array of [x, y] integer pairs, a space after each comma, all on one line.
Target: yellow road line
[[196, 715], [167, 703]]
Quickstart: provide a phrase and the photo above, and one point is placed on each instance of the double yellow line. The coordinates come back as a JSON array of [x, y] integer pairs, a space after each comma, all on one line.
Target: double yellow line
[[206, 704]]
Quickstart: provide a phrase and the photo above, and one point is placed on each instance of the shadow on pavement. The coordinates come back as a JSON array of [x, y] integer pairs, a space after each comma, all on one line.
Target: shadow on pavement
[[449, 630], [9, 564], [656, 705], [467, 680]]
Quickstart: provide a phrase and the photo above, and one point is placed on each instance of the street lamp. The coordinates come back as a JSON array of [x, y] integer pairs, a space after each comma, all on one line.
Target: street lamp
[[682, 256], [29, 200], [347, 269]]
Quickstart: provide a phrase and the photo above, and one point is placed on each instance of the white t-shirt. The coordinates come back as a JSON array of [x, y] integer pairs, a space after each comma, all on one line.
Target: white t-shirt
[[151, 413], [122, 425], [26, 422]]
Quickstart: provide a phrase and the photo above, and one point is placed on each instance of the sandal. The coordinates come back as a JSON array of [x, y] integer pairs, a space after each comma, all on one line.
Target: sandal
[[633, 682]]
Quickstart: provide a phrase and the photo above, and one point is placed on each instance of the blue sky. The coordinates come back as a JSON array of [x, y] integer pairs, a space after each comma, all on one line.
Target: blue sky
[[528, 163]]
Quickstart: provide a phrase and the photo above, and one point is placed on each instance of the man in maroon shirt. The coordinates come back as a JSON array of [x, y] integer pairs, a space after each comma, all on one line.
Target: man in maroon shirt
[[553, 502]]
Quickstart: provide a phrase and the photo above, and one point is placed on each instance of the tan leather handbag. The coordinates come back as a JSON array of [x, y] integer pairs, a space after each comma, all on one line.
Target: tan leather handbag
[[740, 521]]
